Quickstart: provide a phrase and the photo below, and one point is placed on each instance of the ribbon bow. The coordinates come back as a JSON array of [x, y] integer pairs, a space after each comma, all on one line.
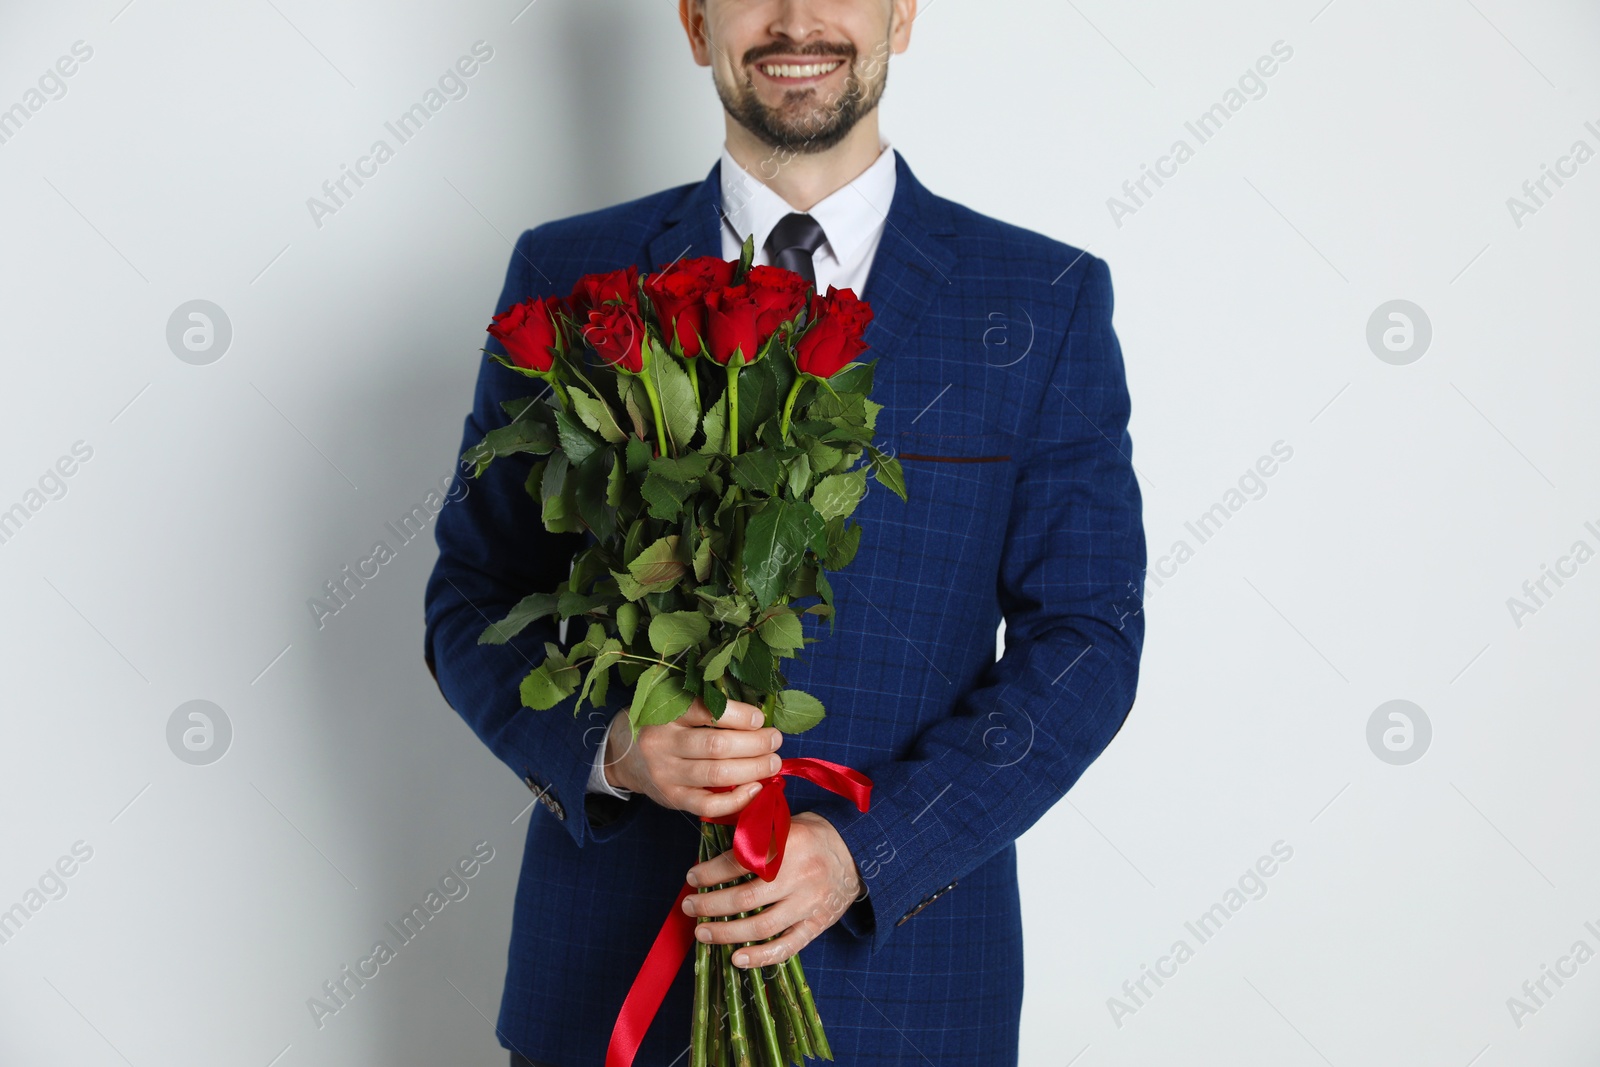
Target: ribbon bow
[[760, 832]]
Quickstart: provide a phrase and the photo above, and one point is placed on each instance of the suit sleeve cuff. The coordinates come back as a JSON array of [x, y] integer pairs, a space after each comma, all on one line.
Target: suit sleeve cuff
[[597, 771]]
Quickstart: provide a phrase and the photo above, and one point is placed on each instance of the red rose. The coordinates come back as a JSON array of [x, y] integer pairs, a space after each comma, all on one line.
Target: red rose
[[616, 333], [593, 290], [731, 323], [678, 294], [834, 336], [528, 331], [782, 294]]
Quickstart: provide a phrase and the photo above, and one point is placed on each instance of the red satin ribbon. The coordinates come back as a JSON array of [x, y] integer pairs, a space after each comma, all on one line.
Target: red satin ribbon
[[760, 832]]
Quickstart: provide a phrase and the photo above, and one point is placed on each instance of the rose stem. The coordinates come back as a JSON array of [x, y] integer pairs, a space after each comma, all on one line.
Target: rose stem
[[734, 363], [769, 1028], [702, 977], [717, 1053], [808, 1004], [780, 1012], [757, 1003], [788, 407], [737, 1041], [560, 390], [791, 1010], [655, 403]]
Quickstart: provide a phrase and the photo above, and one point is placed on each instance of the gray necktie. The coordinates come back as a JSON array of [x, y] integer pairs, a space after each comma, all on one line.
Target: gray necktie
[[793, 241]]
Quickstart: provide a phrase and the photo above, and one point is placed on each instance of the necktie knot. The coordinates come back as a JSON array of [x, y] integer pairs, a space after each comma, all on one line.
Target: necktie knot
[[792, 243]]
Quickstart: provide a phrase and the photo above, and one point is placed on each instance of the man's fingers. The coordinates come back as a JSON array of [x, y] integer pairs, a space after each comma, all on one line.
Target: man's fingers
[[710, 805], [697, 715], [737, 716], [727, 744], [705, 773], [731, 899]]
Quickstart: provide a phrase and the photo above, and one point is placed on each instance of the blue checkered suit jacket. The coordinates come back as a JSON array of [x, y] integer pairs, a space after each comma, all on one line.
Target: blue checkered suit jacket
[[1005, 398]]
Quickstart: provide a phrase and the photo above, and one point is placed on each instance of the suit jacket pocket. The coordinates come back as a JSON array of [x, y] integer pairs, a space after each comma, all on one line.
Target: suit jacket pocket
[[954, 448]]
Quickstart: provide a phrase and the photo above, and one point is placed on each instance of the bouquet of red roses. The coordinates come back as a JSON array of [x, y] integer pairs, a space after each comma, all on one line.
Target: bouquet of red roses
[[707, 428]]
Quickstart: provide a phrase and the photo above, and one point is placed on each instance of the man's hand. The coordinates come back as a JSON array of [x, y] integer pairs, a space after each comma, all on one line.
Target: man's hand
[[815, 886], [674, 763]]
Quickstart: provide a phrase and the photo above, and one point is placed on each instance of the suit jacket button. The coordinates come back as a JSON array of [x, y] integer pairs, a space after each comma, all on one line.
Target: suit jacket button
[[545, 796], [924, 903]]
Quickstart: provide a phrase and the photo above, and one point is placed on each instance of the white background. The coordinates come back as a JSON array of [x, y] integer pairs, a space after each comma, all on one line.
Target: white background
[[220, 498]]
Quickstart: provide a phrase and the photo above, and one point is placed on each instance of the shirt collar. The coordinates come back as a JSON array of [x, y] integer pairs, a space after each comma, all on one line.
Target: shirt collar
[[849, 216]]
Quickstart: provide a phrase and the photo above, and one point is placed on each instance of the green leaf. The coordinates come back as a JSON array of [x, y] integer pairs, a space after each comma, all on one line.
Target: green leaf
[[714, 667], [824, 457], [726, 609], [715, 700], [715, 426], [636, 402], [758, 471], [576, 440], [573, 604], [548, 685], [534, 485], [608, 655], [796, 711], [838, 494], [887, 470], [589, 485], [665, 497], [799, 479], [518, 406], [617, 484], [774, 543], [638, 455], [658, 567], [588, 566], [702, 560], [658, 698], [842, 545], [678, 631], [782, 632], [754, 667], [687, 469], [759, 399], [870, 409], [597, 415], [825, 591], [816, 527], [747, 256], [627, 621], [560, 507], [524, 436], [833, 405], [852, 378], [628, 586], [678, 407], [529, 609]]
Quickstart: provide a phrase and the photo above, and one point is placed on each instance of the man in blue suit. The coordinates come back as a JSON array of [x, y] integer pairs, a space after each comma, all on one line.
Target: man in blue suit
[[1005, 399]]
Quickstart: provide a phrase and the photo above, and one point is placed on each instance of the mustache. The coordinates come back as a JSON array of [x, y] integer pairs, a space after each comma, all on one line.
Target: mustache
[[818, 48]]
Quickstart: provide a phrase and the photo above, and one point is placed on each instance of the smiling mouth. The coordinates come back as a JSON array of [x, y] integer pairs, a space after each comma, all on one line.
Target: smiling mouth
[[800, 71]]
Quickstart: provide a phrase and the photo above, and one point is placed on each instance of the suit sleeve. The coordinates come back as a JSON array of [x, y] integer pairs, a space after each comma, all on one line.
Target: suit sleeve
[[1071, 581], [494, 550]]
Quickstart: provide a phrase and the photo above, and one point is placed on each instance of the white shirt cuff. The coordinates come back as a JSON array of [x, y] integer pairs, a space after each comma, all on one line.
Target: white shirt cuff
[[597, 772]]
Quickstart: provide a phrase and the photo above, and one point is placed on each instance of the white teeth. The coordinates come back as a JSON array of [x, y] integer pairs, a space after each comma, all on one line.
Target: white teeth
[[797, 70]]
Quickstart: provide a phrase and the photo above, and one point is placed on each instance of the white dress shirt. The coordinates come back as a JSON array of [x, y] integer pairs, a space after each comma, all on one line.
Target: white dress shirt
[[852, 220]]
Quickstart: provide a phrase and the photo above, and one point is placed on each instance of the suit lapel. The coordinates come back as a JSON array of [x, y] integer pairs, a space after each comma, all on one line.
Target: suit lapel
[[911, 266], [693, 226]]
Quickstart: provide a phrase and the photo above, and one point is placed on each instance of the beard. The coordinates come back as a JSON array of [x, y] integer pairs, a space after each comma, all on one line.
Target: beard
[[806, 121]]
